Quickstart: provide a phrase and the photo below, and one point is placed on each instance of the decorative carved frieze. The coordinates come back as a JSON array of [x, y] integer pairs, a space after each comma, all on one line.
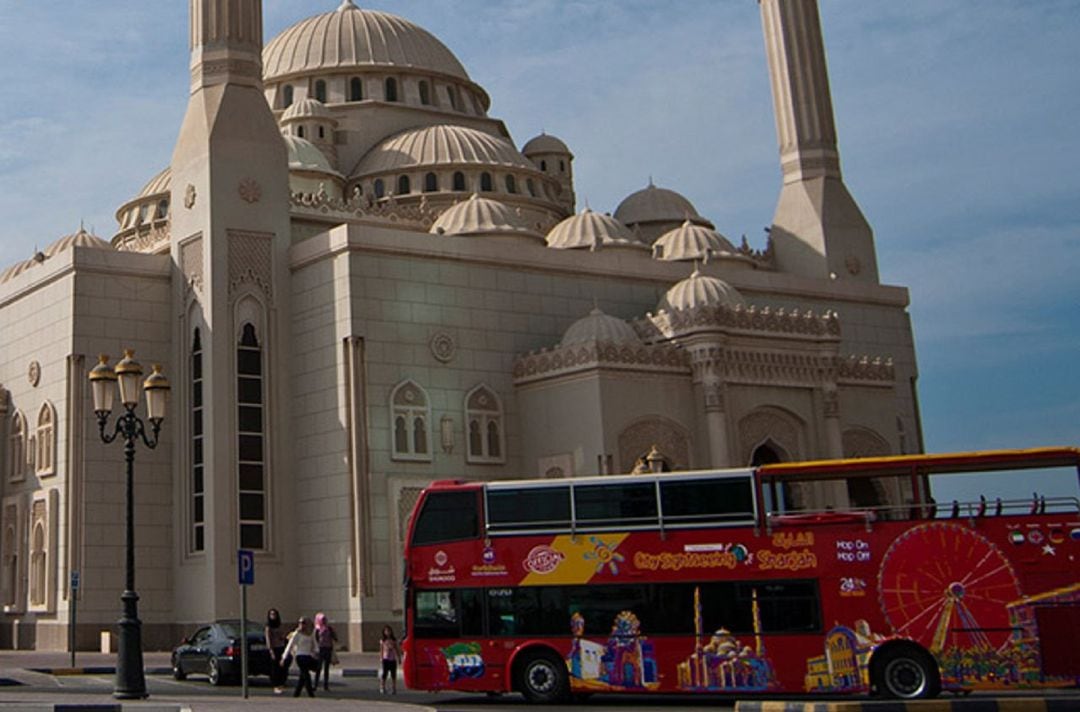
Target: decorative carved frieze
[[638, 439], [764, 425], [563, 360], [320, 204], [251, 261], [831, 403]]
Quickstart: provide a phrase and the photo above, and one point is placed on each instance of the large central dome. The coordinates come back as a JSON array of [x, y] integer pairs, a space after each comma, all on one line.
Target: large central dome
[[352, 37]]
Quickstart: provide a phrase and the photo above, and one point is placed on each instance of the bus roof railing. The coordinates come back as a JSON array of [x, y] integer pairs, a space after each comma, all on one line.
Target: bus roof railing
[[927, 464], [976, 509]]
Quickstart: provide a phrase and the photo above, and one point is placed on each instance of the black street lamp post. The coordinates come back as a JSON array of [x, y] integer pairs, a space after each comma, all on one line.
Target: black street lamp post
[[130, 679]]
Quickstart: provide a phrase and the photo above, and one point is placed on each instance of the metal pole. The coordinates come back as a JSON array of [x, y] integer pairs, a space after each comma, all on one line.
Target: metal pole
[[243, 640], [130, 681], [71, 628]]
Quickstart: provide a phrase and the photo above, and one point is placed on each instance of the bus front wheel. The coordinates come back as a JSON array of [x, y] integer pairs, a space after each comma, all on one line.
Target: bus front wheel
[[906, 673], [542, 678]]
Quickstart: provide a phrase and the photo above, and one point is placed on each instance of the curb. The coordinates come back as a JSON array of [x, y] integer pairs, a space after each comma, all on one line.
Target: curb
[[966, 704]]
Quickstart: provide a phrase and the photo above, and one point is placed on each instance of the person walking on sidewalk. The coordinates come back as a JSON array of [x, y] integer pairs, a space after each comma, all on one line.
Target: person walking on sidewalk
[[302, 644], [275, 643], [390, 652], [326, 638]]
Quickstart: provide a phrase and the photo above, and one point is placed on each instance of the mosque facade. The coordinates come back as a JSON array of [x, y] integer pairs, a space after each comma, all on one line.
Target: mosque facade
[[357, 283]]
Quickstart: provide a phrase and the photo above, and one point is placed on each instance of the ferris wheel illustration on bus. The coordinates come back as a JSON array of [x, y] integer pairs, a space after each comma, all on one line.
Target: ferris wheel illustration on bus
[[947, 586]]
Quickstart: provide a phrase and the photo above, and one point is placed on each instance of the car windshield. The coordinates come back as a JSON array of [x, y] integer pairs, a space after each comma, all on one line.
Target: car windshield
[[232, 628]]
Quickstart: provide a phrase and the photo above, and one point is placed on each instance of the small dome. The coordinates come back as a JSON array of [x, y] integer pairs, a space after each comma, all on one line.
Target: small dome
[[15, 270], [598, 326], [591, 230], [158, 184], [307, 108], [690, 242], [654, 204], [82, 238], [700, 290], [305, 156], [481, 216], [545, 143], [352, 37], [442, 144]]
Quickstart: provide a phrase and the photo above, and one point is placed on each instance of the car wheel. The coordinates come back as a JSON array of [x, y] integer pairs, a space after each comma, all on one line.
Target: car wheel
[[178, 669], [543, 679], [907, 674], [213, 670]]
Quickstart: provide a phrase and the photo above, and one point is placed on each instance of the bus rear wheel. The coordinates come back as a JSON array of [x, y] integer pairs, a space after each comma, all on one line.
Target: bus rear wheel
[[907, 674], [542, 678]]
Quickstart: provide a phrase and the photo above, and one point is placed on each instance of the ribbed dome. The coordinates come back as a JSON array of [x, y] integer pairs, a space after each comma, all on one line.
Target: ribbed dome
[[545, 143], [591, 230], [442, 144], [481, 216], [305, 156], [654, 204], [158, 184], [699, 290], [306, 108], [353, 37], [598, 326], [690, 242], [15, 270], [82, 238]]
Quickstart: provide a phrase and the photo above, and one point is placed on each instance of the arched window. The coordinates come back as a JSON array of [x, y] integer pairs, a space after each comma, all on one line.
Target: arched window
[[403, 187], [356, 89], [10, 581], [485, 182], [45, 457], [162, 209], [543, 166], [287, 96], [511, 184], [391, 89], [483, 416], [459, 180], [251, 446], [322, 132], [300, 131], [144, 209], [379, 188], [410, 413], [16, 447], [431, 183], [425, 93], [320, 90], [38, 565], [530, 186], [198, 459], [562, 166]]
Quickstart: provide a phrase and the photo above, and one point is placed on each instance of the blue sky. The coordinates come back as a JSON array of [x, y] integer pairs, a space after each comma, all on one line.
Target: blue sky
[[955, 121]]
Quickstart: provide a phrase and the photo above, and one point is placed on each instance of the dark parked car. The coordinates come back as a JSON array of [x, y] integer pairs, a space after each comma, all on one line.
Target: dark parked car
[[214, 651]]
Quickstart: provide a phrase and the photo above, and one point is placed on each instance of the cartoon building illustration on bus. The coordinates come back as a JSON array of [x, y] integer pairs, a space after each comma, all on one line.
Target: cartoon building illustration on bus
[[845, 666], [724, 663], [625, 662]]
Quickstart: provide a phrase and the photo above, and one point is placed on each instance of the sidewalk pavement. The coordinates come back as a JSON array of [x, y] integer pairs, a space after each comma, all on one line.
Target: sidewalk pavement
[[26, 677]]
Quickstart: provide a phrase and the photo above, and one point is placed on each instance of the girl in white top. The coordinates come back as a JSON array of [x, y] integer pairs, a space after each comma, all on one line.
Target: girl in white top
[[302, 644]]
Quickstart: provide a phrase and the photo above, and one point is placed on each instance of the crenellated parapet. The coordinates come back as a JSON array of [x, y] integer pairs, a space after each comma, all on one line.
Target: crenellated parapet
[[738, 319]]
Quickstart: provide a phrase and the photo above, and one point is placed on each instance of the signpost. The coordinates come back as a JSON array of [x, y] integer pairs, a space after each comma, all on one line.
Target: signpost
[[74, 609], [245, 560]]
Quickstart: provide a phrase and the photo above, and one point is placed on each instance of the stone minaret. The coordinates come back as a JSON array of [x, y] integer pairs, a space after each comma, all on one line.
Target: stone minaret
[[230, 234], [818, 230]]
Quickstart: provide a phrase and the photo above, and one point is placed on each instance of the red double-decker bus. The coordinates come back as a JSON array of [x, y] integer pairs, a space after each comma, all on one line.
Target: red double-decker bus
[[727, 582]]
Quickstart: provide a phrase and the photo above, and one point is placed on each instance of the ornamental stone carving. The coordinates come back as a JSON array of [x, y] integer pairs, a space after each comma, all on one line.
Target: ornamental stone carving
[[189, 196], [863, 442], [250, 190], [831, 402], [33, 373], [769, 424], [320, 203], [251, 260], [191, 261], [443, 347], [668, 437]]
